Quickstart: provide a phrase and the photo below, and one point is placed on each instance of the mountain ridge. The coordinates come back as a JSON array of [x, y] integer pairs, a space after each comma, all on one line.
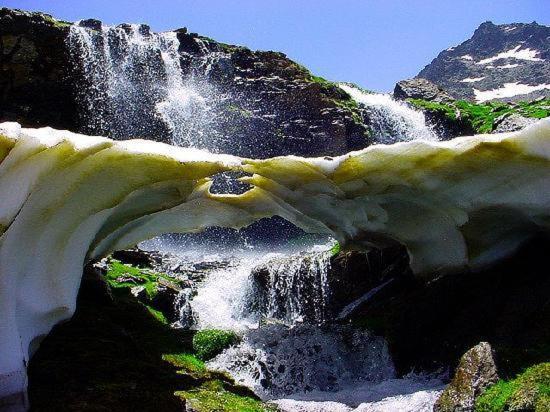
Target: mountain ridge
[[506, 62]]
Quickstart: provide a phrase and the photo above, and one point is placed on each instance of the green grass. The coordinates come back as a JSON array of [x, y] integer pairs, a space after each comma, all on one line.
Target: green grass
[[529, 391], [186, 361], [212, 396], [481, 117], [208, 343]]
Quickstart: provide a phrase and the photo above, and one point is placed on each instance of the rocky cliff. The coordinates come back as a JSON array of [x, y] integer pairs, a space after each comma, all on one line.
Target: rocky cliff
[[260, 103], [500, 62]]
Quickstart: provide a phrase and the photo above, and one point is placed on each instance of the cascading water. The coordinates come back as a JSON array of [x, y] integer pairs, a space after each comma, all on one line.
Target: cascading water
[[133, 85], [390, 120], [290, 353]]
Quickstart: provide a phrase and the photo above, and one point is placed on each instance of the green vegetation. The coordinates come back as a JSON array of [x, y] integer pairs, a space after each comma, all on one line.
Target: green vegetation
[[55, 22], [335, 249], [481, 117], [530, 390], [121, 275], [213, 396], [116, 354], [186, 361], [208, 343]]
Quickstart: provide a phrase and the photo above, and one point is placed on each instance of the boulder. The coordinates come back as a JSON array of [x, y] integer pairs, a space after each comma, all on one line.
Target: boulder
[[512, 123], [476, 371], [420, 89]]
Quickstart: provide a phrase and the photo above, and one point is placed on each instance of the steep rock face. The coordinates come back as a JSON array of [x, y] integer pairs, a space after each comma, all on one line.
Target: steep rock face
[[34, 86], [505, 62], [261, 104]]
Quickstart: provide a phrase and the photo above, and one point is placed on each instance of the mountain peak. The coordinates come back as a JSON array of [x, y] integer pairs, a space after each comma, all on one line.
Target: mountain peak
[[499, 62]]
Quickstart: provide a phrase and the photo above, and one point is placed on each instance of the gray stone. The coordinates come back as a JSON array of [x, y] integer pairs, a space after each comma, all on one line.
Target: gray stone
[[420, 89], [512, 123], [475, 373]]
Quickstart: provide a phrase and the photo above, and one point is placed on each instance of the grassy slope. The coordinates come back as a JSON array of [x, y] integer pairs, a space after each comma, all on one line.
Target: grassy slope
[[114, 355], [481, 117]]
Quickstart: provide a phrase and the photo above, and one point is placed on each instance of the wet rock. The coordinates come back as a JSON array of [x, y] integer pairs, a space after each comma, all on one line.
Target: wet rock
[[420, 89], [137, 257], [326, 284], [476, 371], [165, 301]]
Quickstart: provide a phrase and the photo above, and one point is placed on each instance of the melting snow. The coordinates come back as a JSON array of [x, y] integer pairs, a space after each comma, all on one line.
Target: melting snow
[[472, 79], [515, 53], [466, 57], [508, 90]]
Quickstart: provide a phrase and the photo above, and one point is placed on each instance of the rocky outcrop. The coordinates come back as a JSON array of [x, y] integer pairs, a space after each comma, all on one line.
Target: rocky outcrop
[[512, 122], [504, 62], [261, 104], [34, 72], [420, 89], [430, 326], [475, 373]]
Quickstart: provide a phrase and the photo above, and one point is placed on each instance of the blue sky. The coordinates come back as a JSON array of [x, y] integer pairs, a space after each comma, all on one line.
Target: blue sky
[[372, 43]]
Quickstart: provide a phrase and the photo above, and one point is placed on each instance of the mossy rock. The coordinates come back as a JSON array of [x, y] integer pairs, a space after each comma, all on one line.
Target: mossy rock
[[529, 391], [213, 396], [208, 343]]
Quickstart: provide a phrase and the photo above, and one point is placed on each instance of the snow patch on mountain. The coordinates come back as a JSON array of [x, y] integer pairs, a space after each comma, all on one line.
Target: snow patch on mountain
[[515, 53], [508, 90]]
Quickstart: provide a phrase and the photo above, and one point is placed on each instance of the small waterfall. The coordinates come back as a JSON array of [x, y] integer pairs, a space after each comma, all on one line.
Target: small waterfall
[[391, 120], [293, 288], [132, 84]]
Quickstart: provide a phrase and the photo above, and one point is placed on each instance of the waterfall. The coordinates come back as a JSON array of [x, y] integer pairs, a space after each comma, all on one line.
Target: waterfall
[[132, 85], [391, 120], [293, 288]]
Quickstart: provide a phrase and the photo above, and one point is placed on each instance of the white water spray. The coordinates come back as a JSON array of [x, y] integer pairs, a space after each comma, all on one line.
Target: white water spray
[[134, 85], [390, 120]]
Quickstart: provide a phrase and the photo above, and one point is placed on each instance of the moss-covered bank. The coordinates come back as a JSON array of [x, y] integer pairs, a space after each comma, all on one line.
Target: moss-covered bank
[[115, 355], [483, 117], [528, 391]]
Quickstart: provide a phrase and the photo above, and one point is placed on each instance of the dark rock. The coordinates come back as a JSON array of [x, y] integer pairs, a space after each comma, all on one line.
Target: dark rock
[[91, 24], [354, 273], [35, 89], [93, 285], [430, 326], [165, 301], [137, 257], [475, 373], [420, 89], [350, 276]]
